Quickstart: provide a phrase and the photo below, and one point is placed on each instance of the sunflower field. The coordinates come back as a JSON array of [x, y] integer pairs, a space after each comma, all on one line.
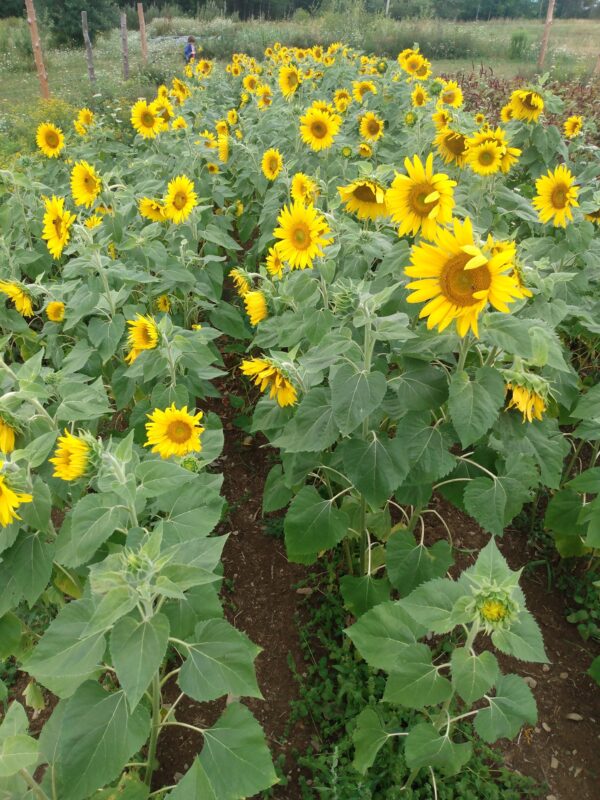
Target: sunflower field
[[405, 293]]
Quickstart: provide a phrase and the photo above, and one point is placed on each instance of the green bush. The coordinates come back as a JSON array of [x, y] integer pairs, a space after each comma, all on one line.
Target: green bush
[[64, 19], [519, 45]]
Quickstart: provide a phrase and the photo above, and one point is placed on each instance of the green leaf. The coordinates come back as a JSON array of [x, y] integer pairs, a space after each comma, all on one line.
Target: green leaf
[[410, 563], [38, 450], [432, 603], [512, 705], [589, 405], [65, 656], [82, 401], [97, 738], [425, 747], [384, 635], [158, 476], [416, 682], [220, 660], [217, 236], [312, 429], [587, 481], [562, 518], [420, 387], [474, 405], [427, 446], [29, 563], [376, 466], [17, 752], [276, 494], [493, 567], [313, 524], [354, 394], [200, 603], [93, 520], [235, 759], [594, 670], [473, 675], [368, 736], [495, 503], [362, 593], [523, 639], [137, 648], [11, 633]]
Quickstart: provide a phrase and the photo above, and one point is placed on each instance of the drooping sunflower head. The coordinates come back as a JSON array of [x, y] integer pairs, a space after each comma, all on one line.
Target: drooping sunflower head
[[240, 281], [272, 378], [302, 232], [360, 89], [274, 263], [20, 298], [303, 189], [55, 311], [365, 198], [223, 147], [593, 217], [318, 128], [147, 120], [162, 303], [556, 196], [179, 124], [256, 306], [57, 223], [86, 184], [271, 164], [142, 335], [151, 209], [371, 127], [451, 94], [421, 199], [71, 457], [364, 150], [452, 146], [573, 126], [49, 139], [180, 200], [10, 500], [7, 436], [527, 393], [174, 432], [419, 97], [442, 118], [93, 222], [458, 278], [526, 104], [289, 81]]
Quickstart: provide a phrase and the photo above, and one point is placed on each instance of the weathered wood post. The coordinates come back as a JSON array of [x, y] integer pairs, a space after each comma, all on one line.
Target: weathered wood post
[[546, 33], [140, 8], [37, 49], [88, 50], [124, 46]]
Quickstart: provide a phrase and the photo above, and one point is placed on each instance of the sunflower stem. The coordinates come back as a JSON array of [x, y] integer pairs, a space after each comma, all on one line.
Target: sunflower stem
[[463, 352], [156, 704]]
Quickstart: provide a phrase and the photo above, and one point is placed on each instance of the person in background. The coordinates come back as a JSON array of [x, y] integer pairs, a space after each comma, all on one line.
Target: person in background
[[190, 49]]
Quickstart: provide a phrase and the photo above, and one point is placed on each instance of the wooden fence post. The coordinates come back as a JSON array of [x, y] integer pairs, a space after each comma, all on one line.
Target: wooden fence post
[[88, 50], [37, 49], [140, 8], [546, 33], [124, 46]]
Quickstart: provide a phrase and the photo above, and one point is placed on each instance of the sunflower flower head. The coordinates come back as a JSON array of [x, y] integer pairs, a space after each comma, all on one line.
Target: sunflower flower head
[[240, 281], [20, 299], [573, 126], [147, 119], [256, 306], [365, 198], [318, 128], [7, 436], [151, 209], [271, 164], [556, 196], [371, 127], [50, 139], [180, 200], [301, 232], [527, 393], [72, 457], [303, 188], [272, 377], [526, 104], [10, 500], [85, 184], [274, 263], [142, 335], [174, 432], [57, 223], [55, 311]]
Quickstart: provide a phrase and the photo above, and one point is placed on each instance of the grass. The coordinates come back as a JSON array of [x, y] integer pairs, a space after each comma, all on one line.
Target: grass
[[454, 47]]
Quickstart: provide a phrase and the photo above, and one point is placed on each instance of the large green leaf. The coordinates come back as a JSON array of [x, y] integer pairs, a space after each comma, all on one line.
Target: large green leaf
[[562, 518], [410, 563], [158, 476], [523, 639], [432, 603], [384, 635], [368, 736], [428, 447], [137, 648], [416, 682], [17, 752], [93, 520], [362, 593], [420, 387], [473, 675], [512, 706], [220, 660], [495, 502], [66, 655], [474, 404], [312, 429], [29, 563], [97, 738], [375, 466], [426, 747], [313, 524], [354, 395]]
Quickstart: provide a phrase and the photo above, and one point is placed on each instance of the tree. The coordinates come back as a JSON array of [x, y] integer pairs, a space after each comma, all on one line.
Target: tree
[[64, 18]]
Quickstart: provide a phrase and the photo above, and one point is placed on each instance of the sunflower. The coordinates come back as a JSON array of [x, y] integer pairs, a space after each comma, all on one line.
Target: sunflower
[[71, 457], [163, 304], [479, 118], [506, 113], [251, 83], [451, 94], [419, 97], [301, 230], [362, 88], [232, 116], [458, 279], [485, 158], [412, 61], [371, 127], [212, 168], [179, 124], [452, 146], [289, 81], [55, 311], [526, 105], [163, 106], [86, 185], [85, 117], [151, 209], [318, 128], [365, 150], [147, 120], [303, 188], [264, 99], [422, 200], [93, 221], [267, 376], [442, 118], [594, 217], [256, 306], [142, 335], [274, 263], [7, 437], [10, 501], [573, 126], [526, 400], [180, 200], [342, 99], [240, 282], [209, 140], [223, 147], [271, 164], [20, 299], [556, 196], [365, 198], [80, 129], [49, 139], [221, 127], [174, 432]]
